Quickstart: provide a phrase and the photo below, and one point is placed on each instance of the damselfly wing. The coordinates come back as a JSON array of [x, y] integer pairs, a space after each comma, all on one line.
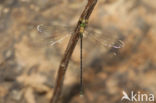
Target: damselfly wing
[[54, 34]]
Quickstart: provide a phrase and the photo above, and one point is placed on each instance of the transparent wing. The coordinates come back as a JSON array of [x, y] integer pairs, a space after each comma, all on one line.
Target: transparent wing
[[53, 34], [56, 33], [105, 38]]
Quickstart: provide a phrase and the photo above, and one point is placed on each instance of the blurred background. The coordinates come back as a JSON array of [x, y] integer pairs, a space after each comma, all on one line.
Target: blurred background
[[121, 58]]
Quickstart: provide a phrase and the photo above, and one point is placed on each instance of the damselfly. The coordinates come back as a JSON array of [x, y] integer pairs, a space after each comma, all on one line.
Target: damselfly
[[49, 34]]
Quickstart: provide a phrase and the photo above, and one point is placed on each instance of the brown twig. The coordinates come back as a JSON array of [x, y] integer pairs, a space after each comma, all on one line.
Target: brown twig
[[69, 50]]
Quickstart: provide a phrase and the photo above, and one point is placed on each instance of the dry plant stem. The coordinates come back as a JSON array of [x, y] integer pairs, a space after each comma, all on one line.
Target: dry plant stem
[[69, 50]]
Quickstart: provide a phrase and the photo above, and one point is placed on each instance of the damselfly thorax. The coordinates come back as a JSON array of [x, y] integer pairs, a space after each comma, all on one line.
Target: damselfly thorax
[[83, 24]]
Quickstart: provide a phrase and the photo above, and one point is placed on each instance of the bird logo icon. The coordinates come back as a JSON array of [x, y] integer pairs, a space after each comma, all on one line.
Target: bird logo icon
[[125, 96]]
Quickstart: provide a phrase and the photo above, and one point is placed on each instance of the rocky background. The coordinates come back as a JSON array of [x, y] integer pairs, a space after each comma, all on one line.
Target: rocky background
[[28, 64]]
